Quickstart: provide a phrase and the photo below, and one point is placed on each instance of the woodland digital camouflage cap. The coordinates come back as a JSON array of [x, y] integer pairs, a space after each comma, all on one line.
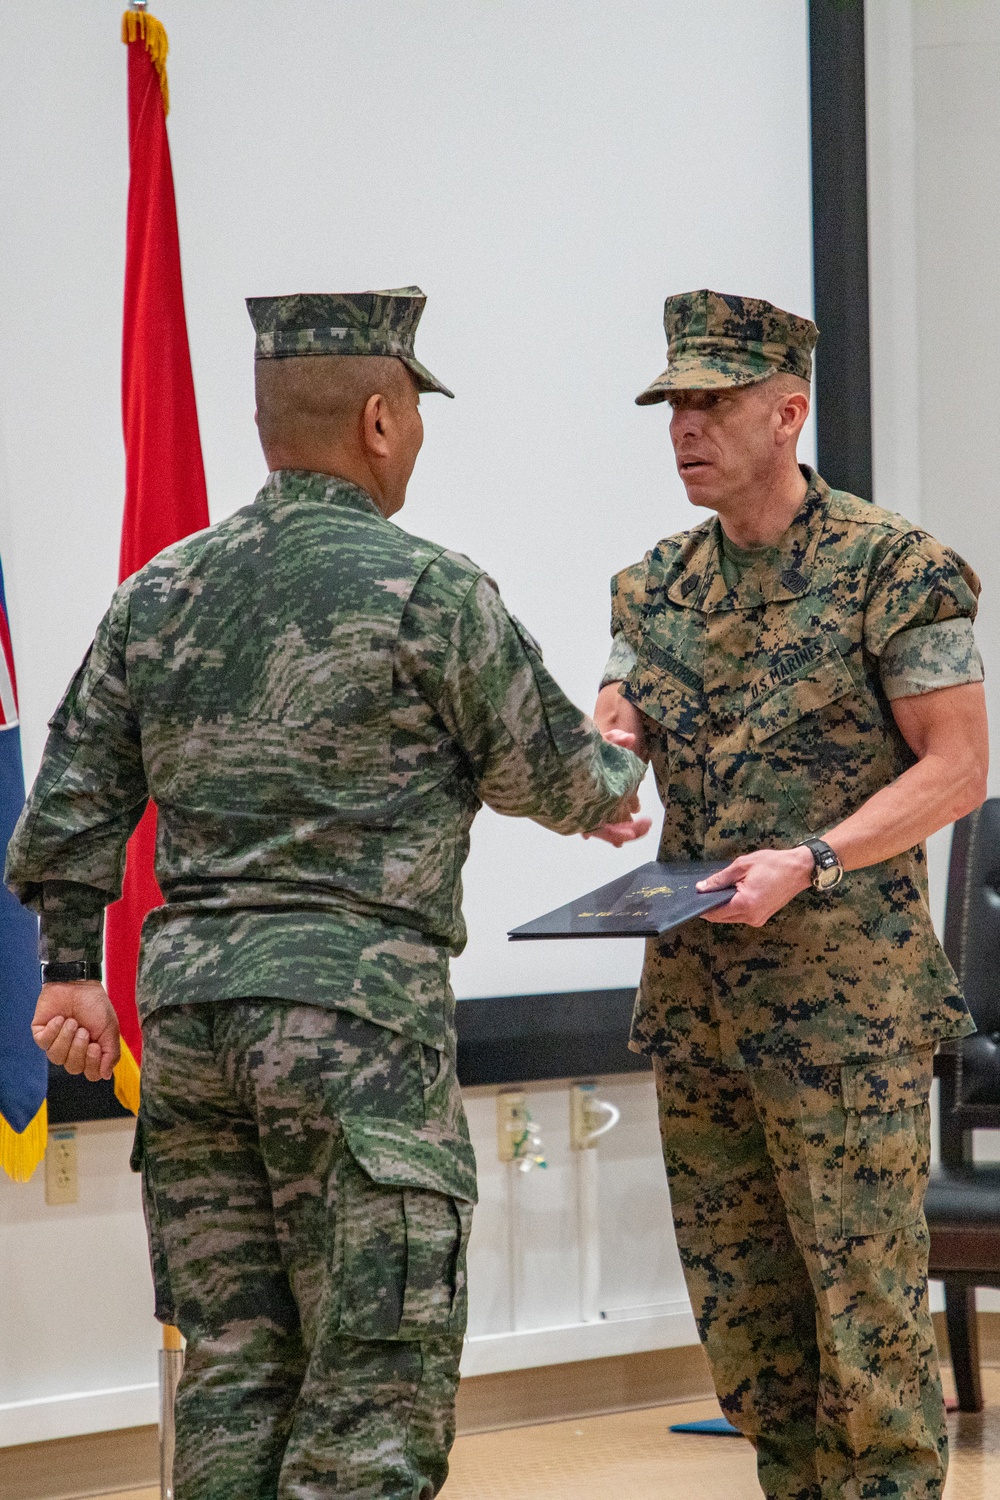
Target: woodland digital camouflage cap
[[714, 340], [382, 323]]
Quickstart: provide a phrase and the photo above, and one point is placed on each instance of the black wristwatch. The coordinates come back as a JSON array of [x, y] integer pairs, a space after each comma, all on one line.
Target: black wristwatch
[[70, 973], [827, 869]]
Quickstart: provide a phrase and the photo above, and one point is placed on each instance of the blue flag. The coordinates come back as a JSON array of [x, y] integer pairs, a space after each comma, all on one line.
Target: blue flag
[[23, 1068]]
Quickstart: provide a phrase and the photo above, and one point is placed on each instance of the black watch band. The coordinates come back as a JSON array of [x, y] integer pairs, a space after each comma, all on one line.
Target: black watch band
[[828, 872], [70, 973]]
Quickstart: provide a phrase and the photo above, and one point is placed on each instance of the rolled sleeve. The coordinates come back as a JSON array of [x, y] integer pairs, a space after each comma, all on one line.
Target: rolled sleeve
[[929, 657], [620, 662], [917, 582]]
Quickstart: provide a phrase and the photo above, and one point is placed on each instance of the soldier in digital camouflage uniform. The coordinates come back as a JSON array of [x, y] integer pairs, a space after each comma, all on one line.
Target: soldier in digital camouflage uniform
[[318, 703], [801, 665]]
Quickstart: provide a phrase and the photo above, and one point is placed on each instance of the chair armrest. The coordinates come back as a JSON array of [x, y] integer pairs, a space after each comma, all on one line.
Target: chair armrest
[[947, 1059]]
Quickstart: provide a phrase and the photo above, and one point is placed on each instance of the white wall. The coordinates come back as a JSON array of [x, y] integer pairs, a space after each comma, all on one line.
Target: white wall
[[547, 172], [78, 1344], [525, 1293], [934, 215], [956, 66], [956, 63]]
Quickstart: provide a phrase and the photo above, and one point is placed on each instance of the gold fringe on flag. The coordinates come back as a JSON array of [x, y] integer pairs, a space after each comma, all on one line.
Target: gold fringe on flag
[[139, 25], [127, 1080], [21, 1151]]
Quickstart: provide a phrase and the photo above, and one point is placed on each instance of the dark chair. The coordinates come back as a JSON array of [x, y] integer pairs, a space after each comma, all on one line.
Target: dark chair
[[963, 1199]]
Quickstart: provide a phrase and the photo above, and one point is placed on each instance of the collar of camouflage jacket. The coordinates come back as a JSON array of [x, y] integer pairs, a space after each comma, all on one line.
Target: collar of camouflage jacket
[[693, 577], [284, 486]]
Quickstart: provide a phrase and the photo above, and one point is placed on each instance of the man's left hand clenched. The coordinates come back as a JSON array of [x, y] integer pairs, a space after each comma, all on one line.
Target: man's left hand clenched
[[77, 1028], [765, 881]]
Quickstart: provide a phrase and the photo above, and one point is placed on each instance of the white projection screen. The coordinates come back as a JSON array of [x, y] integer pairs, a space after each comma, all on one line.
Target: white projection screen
[[546, 170]]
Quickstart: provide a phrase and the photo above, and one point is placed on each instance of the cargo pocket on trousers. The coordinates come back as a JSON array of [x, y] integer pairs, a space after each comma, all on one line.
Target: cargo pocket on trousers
[[404, 1213], [886, 1104], [164, 1310]]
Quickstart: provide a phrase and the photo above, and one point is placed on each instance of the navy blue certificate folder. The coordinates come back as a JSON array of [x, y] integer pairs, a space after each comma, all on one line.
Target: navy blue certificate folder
[[647, 902]]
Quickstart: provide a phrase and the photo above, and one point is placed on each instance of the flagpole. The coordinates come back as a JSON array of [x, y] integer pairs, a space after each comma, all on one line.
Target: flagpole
[[171, 1366], [165, 501]]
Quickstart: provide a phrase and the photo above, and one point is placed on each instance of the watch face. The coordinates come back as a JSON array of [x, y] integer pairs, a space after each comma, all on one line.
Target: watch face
[[826, 879]]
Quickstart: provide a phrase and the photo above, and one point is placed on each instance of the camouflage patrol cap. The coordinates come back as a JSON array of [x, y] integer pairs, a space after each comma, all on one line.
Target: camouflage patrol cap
[[715, 340], [381, 323]]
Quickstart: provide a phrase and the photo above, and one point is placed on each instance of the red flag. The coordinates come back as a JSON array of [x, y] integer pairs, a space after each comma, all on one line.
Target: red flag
[[165, 497]]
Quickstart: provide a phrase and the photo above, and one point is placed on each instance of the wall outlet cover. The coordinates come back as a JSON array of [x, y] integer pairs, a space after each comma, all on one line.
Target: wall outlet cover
[[61, 1183]]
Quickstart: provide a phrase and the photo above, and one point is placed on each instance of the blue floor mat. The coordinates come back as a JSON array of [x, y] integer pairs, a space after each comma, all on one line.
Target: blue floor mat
[[714, 1427]]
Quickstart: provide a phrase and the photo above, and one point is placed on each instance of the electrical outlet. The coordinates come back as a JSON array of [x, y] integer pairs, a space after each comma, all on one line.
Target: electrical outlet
[[582, 1122], [510, 1124], [589, 1117], [518, 1137], [60, 1168]]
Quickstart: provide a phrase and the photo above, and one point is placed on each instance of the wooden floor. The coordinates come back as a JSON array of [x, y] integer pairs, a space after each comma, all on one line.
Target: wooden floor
[[632, 1455]]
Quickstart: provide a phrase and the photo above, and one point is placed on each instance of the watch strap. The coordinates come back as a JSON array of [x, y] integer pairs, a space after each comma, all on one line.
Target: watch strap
[[824, 858], [53, 973]]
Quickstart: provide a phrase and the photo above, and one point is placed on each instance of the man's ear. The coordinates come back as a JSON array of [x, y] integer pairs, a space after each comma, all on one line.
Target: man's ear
[[792, 411], [374, 425]]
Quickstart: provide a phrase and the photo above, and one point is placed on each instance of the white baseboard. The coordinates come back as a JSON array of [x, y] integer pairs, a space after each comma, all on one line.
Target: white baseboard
[[670, 1326], [77, 1412]]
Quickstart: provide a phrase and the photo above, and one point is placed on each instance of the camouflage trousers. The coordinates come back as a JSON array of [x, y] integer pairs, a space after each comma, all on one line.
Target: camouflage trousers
[[308, 1184], [798, 1206]]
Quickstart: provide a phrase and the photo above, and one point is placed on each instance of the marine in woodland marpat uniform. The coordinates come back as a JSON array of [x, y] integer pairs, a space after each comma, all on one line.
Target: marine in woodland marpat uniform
[[318, 703], [800, 666]]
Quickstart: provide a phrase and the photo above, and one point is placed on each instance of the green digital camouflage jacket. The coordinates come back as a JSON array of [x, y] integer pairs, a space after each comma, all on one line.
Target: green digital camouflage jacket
[[768, 719], [318, 703]]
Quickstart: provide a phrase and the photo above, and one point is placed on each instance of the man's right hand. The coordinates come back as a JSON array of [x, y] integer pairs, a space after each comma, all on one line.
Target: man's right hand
[[625, 832], [76, 1027], [630, 828]]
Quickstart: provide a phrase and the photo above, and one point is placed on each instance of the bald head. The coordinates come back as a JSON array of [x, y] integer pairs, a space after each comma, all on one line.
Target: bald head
[[311, 402]]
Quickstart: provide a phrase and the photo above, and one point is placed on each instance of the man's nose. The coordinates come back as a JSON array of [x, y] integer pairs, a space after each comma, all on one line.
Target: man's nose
[[685, 423]]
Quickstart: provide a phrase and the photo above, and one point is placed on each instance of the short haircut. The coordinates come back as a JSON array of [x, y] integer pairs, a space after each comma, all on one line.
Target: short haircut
[[784, 384], [318, 397]]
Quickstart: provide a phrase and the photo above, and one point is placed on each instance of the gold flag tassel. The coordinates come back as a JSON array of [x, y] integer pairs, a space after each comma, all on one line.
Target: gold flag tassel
[[139, 25], [22, 1150], [127, 1080]]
